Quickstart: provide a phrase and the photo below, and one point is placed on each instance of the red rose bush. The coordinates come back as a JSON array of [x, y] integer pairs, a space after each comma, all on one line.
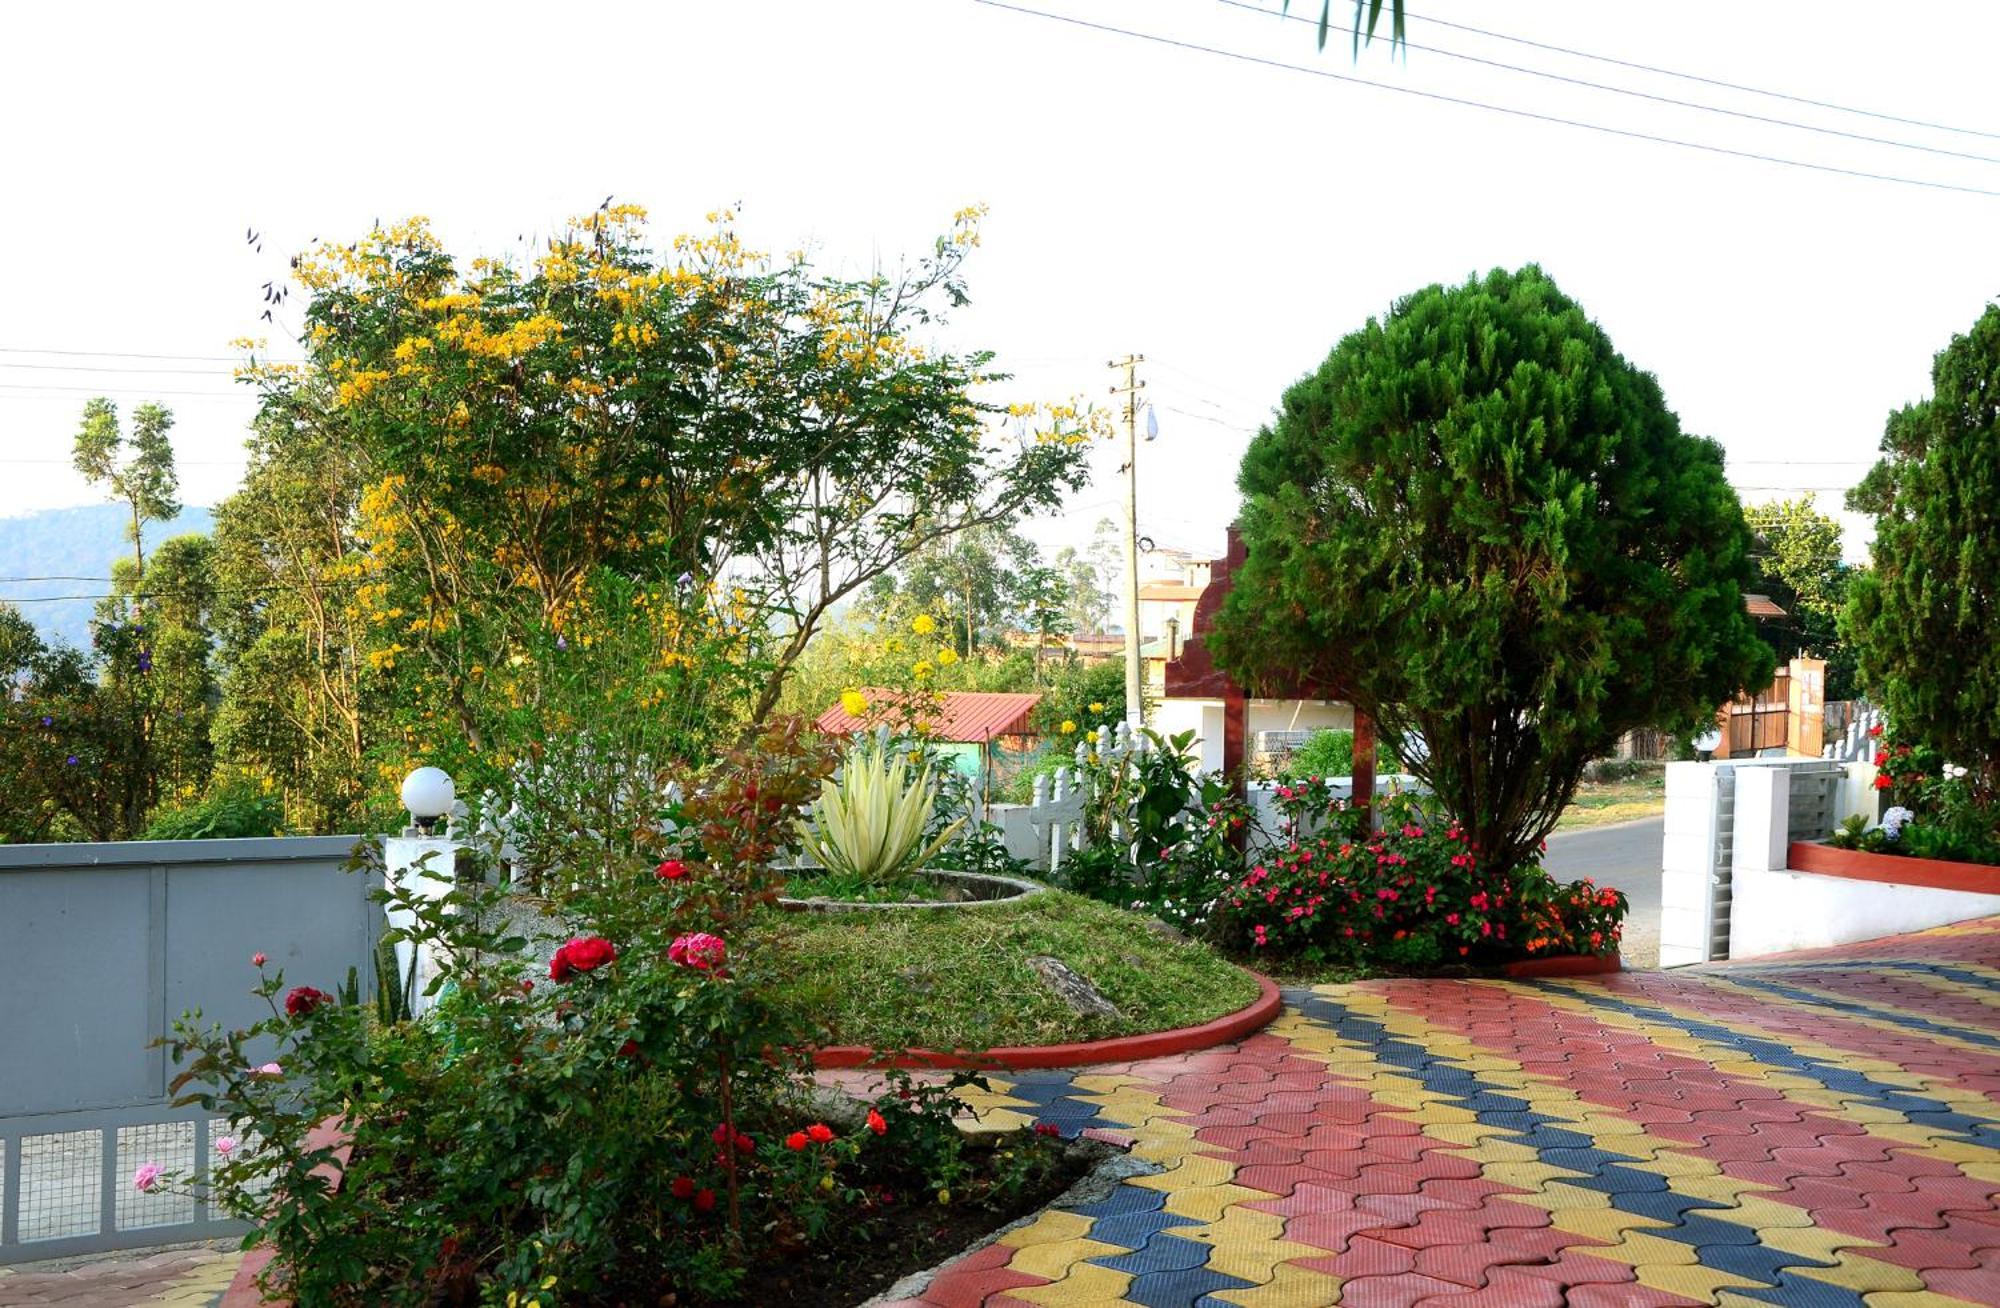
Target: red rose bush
[[631, 1129]]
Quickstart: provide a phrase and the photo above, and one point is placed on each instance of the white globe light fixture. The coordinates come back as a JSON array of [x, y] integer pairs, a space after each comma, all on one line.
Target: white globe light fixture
[[1707, 743], [429, 795]]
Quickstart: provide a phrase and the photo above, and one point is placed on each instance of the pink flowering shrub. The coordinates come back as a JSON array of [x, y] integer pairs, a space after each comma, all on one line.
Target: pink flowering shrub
[[1413, 893]]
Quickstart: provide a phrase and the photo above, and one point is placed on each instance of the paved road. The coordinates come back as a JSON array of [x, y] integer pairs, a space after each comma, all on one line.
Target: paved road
[[1626, 856]]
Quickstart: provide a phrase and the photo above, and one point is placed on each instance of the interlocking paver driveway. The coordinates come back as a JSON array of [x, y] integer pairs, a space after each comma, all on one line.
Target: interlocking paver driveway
[[1818, 1129]]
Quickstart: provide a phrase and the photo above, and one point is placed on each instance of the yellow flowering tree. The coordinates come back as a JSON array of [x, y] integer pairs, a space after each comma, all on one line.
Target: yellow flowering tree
[[734, 441]]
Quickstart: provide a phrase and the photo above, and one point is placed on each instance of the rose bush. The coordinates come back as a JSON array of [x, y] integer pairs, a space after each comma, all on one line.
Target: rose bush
[[613, 1133]]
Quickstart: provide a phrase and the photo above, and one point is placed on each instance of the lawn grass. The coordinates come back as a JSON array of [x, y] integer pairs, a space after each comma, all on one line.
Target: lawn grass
[[1600, 803], [959, 978]]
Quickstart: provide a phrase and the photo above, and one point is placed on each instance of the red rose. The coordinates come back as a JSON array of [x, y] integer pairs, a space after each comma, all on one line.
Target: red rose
[[1883, 781], [630, 1049], [744, 1144], [588, 953], [795, 1141], [877, 1123], [704, 1200], [304, 999], [671, 870], [819, 1132], [683, 1188], [1875, 730], [257, 960], [559, 966]]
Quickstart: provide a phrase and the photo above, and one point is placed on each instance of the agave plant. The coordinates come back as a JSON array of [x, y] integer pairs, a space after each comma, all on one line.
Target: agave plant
[[869, 823]]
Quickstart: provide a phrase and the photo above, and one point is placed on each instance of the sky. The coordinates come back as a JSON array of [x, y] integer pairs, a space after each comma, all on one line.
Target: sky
[[1228, 219]]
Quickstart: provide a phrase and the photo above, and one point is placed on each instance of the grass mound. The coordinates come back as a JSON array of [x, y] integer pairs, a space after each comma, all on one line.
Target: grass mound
[[960, 979]]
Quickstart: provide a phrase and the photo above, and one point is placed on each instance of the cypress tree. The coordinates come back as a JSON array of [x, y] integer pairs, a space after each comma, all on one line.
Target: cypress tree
[[1927, 617], [1487, 526]]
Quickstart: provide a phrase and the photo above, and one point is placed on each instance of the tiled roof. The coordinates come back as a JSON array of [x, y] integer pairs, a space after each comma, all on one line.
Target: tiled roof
[[975, 716]]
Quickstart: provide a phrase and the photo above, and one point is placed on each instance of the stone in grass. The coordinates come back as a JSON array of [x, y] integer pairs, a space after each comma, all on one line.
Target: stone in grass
[[1072, 988]]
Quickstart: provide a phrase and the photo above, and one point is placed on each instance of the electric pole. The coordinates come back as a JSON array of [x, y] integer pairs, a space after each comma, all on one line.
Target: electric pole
[[1134, 677]]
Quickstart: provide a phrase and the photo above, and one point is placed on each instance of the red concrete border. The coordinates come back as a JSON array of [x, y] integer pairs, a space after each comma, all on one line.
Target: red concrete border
[[1564, 965], [1898, 869], [1118, 1049]]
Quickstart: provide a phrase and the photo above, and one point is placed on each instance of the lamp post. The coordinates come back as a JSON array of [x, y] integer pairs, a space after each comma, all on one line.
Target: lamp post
[[428, 793]]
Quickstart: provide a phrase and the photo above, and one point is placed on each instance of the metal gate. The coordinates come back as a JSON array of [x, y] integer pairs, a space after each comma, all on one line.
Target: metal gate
[[105, 945], [1761, 721]]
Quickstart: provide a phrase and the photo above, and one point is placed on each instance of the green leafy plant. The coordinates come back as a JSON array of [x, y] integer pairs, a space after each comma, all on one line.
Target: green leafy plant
[[870, 822], [231, 809]]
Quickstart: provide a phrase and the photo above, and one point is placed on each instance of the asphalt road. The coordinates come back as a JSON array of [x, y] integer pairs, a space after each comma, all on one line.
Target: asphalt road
[[1626, 856]]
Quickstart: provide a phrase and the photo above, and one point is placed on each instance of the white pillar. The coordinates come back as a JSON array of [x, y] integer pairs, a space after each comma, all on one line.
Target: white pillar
[[422, 866], [1763, 818], [1688, 864]]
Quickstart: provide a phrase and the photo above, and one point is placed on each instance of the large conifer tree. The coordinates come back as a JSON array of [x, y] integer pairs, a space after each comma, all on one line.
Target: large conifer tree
[[1487, 525], [1927, 618]]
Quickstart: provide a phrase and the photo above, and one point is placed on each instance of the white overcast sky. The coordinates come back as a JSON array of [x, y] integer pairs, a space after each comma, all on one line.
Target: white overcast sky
[[1229, 220]]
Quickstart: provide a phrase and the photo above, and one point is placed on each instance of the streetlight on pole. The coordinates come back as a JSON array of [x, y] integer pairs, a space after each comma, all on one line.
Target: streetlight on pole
[[1135, 712]]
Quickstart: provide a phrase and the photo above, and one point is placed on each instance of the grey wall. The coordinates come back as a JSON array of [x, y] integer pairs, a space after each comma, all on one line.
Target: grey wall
[[102, 946]]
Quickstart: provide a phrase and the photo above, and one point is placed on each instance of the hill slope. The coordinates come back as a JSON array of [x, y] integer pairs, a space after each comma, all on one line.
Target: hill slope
[[73, 543]]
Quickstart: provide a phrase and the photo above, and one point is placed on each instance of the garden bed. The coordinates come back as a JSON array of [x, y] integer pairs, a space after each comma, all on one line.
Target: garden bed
[[962, 980], [900, 1235], [1899, 869]]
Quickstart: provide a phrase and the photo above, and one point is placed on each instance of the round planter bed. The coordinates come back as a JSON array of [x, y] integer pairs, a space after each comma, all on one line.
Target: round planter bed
[[1559, 965], [1117, 1049], [955, 890], [1897, 869]]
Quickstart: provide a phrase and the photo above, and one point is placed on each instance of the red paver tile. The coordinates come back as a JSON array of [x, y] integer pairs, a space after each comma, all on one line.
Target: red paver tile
[[1399, 1291]]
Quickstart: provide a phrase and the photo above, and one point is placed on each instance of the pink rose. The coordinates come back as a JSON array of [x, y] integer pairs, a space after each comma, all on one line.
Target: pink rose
[[147, 1178], [699, 950]]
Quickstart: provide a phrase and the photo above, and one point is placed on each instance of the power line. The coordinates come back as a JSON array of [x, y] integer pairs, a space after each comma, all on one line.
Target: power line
[[178, 462], [128, 372], [1643, 95], [1705, 81], [110, 390], [132, 354], [1465, 102]]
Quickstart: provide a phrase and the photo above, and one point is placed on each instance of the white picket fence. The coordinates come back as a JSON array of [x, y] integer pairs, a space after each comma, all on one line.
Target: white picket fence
[[1050, 827], [1856, 744]]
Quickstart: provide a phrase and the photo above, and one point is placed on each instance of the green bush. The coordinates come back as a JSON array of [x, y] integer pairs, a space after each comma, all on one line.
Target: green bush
[[230, 809], [1325, 754]]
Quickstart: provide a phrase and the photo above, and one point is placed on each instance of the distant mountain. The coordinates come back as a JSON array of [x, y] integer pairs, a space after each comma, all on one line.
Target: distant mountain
[[68, 544]]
